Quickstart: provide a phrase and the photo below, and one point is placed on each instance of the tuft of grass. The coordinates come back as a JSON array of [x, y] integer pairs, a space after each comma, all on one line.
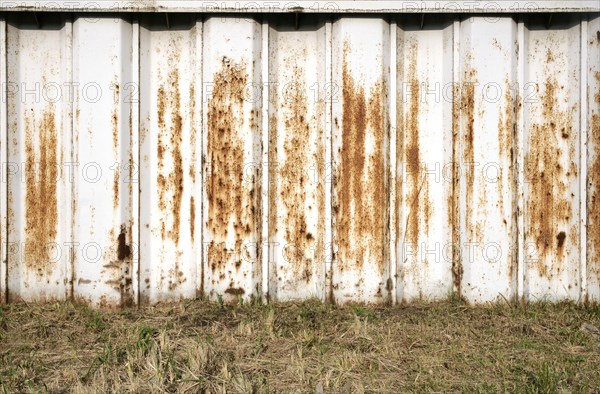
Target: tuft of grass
[[199, 346]]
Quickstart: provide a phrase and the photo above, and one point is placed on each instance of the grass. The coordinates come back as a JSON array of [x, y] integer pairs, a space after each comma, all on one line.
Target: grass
[[196, 346]]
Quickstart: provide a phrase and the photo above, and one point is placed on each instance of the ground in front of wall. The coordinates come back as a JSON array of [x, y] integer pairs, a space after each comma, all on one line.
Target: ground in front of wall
[[198, 346]]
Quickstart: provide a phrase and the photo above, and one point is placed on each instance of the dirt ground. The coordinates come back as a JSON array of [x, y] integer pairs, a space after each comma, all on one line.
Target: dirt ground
[[197, 346]]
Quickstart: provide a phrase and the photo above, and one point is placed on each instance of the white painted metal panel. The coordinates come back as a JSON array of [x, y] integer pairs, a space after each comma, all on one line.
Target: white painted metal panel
[[552, 269], [201, 150], [233, 156], [105, 171], [297, 165], [360, 67], [170, 136], [424, 160], [39, 132], [488, 70]]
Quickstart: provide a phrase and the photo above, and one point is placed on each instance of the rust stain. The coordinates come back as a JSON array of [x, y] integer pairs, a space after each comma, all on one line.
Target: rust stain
[[292, 186], [115, 134], [231, 204], [593, 210], [170, 184], [41, 216], [418, 194], [506, 138], [123, 249], [192, 217], [549, 209], [361, 215], [236, 291], [468, 119], [453, 203]]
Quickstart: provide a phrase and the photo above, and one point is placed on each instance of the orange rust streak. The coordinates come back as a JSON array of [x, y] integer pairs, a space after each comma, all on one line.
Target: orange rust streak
[[41, 214], [171, 184], [360, 218], [594, 188], [547, 206]]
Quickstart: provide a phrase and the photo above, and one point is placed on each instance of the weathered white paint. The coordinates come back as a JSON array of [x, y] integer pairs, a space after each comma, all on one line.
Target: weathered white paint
[[207, 104]]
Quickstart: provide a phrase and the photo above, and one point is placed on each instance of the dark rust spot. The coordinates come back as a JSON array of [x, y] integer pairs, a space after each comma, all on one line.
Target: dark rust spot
[[192, 217], [41, 215], [561, 239], [123, 249], [236, 291], [360, 184]]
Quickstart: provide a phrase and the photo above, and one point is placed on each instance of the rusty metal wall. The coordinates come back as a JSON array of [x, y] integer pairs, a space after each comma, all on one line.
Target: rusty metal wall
[[355, 158]]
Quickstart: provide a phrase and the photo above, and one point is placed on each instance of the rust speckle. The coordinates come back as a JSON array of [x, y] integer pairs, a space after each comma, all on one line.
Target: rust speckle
[[192, 216], [291, 186], [41, 216], [115, 134], [360, 185], [468, 114], [231, 205], [548, 208], [170, 184]]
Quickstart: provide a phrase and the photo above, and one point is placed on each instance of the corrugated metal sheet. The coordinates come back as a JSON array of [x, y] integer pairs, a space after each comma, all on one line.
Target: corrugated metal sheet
[[362, 158]]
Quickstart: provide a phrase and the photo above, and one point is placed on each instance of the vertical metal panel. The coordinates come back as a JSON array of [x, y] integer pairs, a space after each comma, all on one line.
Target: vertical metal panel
[[360, 138], [297, 159], [105, 172], [593, 178], [170, 169], [488, 73], [232, 152], [551, 161], [40, 140], [424, 160]]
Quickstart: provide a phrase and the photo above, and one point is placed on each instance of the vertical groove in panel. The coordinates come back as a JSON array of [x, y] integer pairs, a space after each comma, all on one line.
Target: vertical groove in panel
[[265, 163], [400, 207], [593, 159], [552, 188], [68, 122], [327, 177], [297, 158], [4, 163], [199, 160], [455, 204], [392, 280], [361, 70], [232, 150], [520, 161], [134, 161], [583, 142]]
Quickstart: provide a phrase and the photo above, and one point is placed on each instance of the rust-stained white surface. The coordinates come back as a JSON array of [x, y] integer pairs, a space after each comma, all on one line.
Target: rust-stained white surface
[[352, 158]]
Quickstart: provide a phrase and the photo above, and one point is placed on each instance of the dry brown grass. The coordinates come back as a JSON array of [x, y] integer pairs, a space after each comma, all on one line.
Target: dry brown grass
[[299, 347]]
